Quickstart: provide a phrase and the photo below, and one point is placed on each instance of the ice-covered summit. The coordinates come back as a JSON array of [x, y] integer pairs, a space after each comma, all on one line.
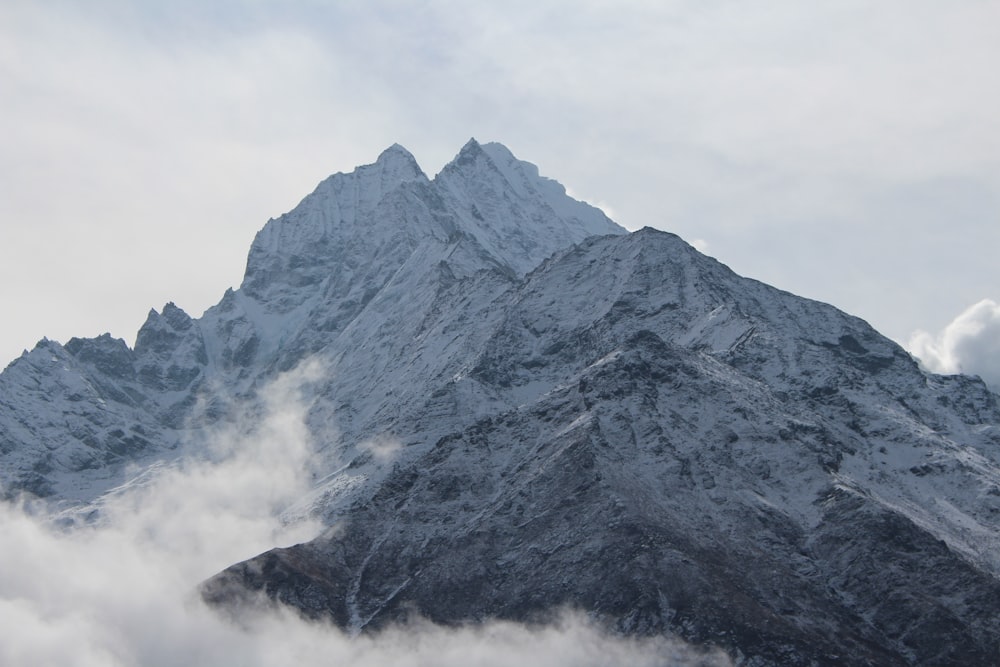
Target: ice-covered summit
[[516, 215], [513, 211]]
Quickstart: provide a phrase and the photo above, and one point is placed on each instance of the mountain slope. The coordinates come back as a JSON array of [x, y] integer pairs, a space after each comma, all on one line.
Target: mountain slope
[[525, 408], [674, 448]]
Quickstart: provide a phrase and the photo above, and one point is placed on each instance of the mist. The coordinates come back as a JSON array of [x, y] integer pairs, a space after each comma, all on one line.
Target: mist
[[121, 588]]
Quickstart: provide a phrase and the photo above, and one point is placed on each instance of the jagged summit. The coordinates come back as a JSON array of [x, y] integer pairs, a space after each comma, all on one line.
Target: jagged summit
[[469, 150], [396, 150], [513, 211], [500, 203], [397, 164], [334, 265]]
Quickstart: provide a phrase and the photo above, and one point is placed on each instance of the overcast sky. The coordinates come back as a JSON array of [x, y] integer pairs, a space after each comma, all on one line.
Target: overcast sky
[[844, 150]]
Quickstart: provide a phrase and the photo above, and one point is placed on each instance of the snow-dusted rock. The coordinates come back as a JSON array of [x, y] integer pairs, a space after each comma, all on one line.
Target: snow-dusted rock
[[643, 434]]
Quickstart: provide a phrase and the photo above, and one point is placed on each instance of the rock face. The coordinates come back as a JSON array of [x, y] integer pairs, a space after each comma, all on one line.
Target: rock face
[[625, 427]]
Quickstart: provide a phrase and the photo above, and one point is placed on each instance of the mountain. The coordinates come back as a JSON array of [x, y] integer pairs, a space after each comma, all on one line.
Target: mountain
[[578, 416], [365, 252]]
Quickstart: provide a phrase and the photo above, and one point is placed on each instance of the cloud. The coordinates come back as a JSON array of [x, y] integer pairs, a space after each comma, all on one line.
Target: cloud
[[121, 590], [969, 344]]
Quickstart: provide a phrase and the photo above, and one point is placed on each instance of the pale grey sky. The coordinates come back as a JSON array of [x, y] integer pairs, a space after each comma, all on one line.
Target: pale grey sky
[[843, 150]]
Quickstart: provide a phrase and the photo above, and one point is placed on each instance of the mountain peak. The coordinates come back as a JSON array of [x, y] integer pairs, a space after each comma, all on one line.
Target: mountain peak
[[494, 153], [513, 211], [471, 146], [396, 165], [396, 148], [397, 155]]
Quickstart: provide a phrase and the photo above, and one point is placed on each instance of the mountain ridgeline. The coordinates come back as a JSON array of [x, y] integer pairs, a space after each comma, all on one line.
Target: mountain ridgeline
[[581, 417]]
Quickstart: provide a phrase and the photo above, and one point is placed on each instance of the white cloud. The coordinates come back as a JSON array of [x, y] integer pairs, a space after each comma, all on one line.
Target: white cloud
[[122, 591], [969, 344]]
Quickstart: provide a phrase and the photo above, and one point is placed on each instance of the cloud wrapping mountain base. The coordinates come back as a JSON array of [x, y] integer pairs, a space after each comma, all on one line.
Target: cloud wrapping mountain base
[[969, 344], [120, 589]]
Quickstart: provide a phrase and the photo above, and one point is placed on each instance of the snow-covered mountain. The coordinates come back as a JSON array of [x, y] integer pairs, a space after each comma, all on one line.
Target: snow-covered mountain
[[576, 416], [364, 254]]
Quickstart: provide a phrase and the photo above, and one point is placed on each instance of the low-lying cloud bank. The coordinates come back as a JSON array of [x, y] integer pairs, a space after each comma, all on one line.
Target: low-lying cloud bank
[[123, 590], [970, 344]]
